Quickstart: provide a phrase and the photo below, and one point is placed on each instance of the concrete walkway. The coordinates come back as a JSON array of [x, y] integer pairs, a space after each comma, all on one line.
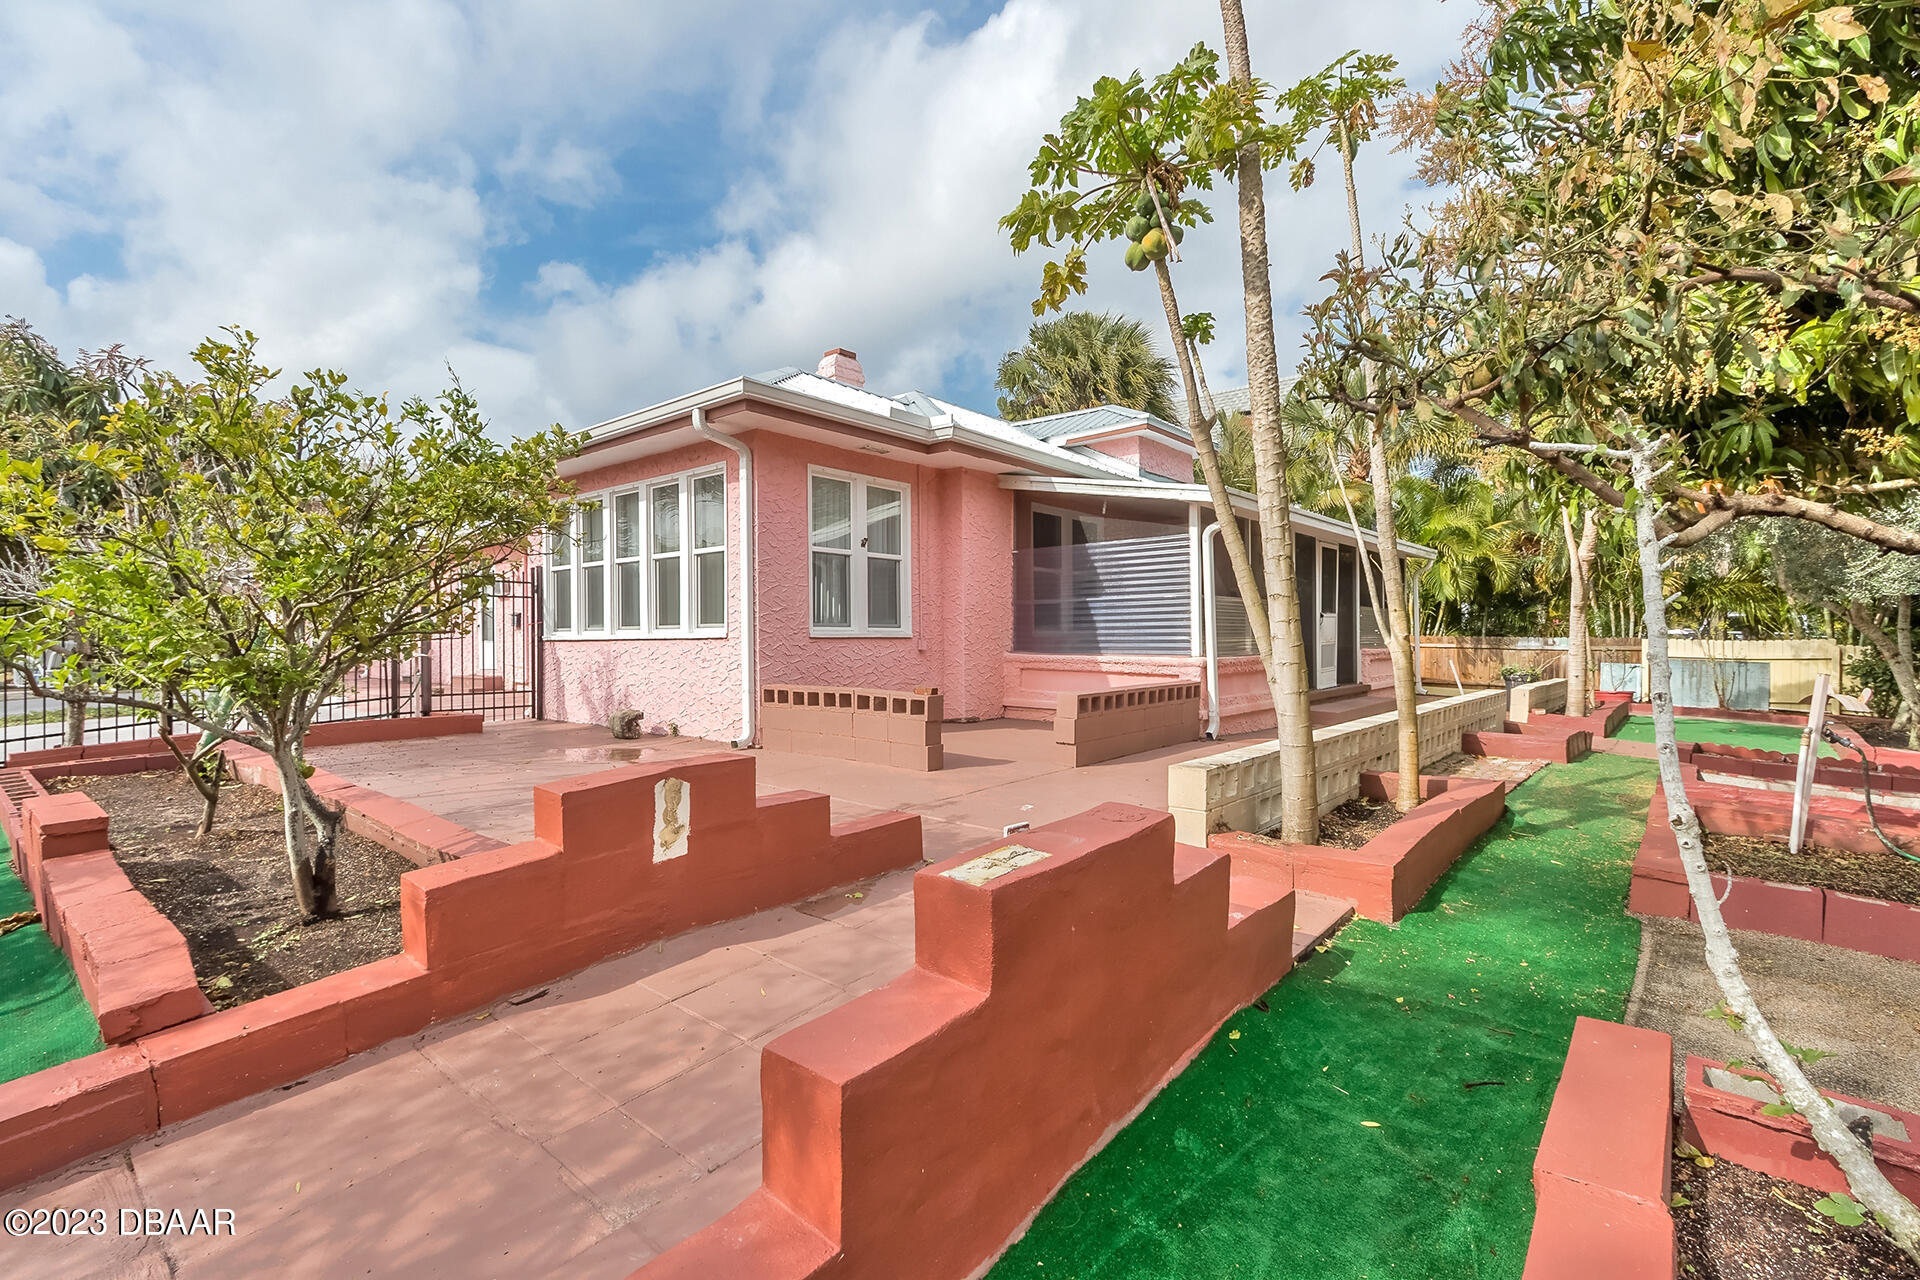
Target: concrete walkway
[[570, 1132], [998, 772], [577, 1130]]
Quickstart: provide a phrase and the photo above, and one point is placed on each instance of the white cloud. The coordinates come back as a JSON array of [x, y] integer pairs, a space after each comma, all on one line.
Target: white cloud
[[341, 177]]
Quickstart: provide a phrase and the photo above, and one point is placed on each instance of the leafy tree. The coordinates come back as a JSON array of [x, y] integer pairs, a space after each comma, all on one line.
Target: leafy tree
[[1679, 272], [260, 549], [1084, 359], [42, 398], [1125, 166]]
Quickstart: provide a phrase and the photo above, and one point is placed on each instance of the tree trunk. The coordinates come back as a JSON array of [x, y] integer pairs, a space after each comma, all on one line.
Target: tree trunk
[[1393, 582], [1901, 664], [1903, 640], [1580, 574], [1869, 1186], [1287, 672], [312, 829], [1202, 433]]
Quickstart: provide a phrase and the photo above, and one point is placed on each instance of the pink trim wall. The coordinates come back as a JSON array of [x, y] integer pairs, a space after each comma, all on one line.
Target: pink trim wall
[[1148, 454], [691, 682], [962, 610]]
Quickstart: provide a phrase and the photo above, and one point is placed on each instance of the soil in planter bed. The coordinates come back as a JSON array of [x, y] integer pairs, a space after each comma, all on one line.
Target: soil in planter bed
[[1744, 1225], [1879, 874], [1356, 822], [231, 894]]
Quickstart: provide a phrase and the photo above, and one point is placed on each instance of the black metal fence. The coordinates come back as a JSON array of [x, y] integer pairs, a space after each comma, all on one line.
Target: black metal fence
[[491, 666]]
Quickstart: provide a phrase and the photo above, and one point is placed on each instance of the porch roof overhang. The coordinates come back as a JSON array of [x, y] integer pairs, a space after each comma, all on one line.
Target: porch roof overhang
[[746, 404], [1325, 528]]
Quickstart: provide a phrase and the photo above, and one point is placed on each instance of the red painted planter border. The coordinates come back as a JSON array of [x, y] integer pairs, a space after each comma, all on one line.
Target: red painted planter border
[[132, 963], [1386, 877], [474, 929], [917, 1129], [1659, 885], [1544, 737], [1603, 1173], [1732, 1126]]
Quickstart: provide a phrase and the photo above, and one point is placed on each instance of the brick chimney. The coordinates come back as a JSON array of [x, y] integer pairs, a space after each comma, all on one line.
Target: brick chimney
[[842, 365]]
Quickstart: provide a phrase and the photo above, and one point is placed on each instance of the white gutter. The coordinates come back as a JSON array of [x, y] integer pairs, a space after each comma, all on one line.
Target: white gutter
[[1213, 631], [749, 693]]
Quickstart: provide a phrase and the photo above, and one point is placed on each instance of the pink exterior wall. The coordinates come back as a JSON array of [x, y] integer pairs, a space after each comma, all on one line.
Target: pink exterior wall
[[1148, 454], [961, 553], [962, 612], [694, 683]]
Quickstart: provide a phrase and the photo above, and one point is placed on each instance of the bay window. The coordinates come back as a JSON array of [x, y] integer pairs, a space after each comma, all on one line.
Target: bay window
[[858, 531], [643, 562]]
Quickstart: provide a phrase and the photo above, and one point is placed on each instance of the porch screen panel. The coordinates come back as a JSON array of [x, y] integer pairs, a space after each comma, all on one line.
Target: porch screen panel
[[1123, 596]]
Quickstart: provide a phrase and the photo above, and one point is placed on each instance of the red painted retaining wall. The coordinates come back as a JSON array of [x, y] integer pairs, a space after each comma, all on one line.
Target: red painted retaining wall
[[1540, 738], [915, 1130], [132, 963], [1105, 724], [1387, 876], [1886, 774], [1602, 1176], [1733, 1127], [589, 886], [1659, 885]]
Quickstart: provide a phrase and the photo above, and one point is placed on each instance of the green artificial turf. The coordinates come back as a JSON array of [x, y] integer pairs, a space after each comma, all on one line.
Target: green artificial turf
[[1448, 1033], [1731, 733], [44, 1020]]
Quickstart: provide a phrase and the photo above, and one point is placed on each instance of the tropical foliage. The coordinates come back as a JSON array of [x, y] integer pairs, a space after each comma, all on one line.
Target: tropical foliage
[[1082, 359]]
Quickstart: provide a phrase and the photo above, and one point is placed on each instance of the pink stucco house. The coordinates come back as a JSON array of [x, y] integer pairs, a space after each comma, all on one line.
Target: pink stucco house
[[796, 527]]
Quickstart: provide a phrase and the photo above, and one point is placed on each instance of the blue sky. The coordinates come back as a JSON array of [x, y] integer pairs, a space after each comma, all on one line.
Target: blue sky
[[585, 207]]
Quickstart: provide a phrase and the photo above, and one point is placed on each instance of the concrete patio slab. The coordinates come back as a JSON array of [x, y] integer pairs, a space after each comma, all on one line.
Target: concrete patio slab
[[575, 1130]]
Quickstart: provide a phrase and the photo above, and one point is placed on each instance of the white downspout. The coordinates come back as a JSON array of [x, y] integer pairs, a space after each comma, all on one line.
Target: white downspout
[[749, 691], [1213, 629]]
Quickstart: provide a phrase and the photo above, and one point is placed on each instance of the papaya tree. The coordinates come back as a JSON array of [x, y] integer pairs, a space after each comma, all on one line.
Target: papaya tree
[[260, 548], [1127, 167], [1341, 106]]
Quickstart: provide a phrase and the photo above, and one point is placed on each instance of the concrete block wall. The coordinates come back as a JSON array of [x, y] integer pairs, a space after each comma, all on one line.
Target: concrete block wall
[[1524, 700], [876, 726], [1110, 723], [1240, 790], [1059, 982]]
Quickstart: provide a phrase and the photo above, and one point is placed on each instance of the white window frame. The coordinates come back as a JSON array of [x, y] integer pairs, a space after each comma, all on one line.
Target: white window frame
[[857, 555], [681, 562]]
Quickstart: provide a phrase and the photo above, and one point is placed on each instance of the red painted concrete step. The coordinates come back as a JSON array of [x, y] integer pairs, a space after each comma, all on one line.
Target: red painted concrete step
[[1316, 918]]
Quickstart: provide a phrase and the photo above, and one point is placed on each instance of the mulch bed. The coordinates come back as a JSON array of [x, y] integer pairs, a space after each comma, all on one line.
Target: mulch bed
[[231, 894], [1356, 822], [1879, 874], [1744, 1225]]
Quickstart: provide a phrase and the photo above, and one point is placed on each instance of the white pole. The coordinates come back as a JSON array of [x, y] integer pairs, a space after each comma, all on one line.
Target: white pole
[[1810, 738], [1213, 629]]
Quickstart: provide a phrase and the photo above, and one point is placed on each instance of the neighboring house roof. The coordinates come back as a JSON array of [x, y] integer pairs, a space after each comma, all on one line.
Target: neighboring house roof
[[1100, 418], [1231, 399]]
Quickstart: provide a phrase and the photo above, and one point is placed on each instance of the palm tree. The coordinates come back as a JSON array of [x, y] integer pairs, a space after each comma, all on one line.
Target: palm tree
[[1081, 360]]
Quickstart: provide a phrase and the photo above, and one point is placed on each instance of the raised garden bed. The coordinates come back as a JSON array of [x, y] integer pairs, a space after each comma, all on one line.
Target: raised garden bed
[[1605, 1184], [1817, 912], [1873, 873], [1388, 874], [1351, 825], [230, 894], [1736, 1223]]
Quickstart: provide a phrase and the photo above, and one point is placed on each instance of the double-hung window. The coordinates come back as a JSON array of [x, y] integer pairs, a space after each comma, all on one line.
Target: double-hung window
[[647, 561], [859, 555]]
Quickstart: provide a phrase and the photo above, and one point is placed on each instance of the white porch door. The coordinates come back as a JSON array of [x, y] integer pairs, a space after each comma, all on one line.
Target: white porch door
[[1327, 633], [489, 638]]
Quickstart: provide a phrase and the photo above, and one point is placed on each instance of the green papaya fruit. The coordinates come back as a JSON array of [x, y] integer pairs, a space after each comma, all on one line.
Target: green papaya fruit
[[1136, 258], [1155, 245], [1144, 206], [1138, 225], [1179, 233]]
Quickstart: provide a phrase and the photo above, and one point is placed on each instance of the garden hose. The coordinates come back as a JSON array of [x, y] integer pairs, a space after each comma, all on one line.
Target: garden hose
[[1866, 769]]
